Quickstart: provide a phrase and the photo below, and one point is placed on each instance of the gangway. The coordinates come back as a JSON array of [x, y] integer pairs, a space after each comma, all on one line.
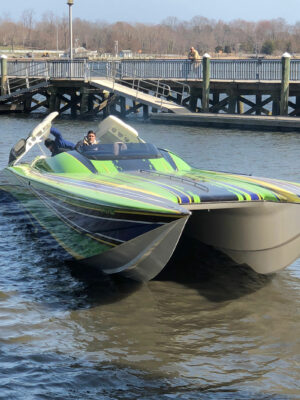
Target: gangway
[[20, 92], [137, 95]]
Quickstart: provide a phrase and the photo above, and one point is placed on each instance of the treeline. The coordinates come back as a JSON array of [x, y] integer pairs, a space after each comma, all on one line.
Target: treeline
[[171, 36]]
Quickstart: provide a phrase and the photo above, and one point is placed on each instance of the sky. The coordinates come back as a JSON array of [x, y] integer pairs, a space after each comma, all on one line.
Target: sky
[[154, 11]]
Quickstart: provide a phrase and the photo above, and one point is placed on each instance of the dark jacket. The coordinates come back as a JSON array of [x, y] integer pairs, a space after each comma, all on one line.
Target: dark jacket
[[60, 143]]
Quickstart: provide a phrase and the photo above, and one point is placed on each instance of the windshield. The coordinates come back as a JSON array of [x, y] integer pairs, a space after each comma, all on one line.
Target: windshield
[[120, 151]]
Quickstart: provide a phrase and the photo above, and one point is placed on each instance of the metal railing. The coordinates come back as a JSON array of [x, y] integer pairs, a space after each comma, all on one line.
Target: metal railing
[[55, 69], [248, 69], [156, 88], [25, 75]]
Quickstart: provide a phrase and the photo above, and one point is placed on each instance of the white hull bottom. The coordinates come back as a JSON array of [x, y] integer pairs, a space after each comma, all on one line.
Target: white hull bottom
[[144, 257], [265, 236]]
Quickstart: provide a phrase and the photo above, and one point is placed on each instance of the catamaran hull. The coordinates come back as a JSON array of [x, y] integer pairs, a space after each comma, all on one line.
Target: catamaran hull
[[144, 257], [91, 235], [264, 235]]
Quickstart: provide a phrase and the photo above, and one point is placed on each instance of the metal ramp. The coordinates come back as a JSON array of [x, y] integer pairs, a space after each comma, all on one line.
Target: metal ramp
[[20, 92], [137, 95]]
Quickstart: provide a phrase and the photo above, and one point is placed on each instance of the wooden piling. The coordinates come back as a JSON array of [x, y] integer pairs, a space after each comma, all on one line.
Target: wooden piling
[[232, 101], [205, 82], [194, 94], [27, 104], [216, 98], [285, 81], [145, 111], [74, 104], [258, 104], [123, 106], [3, 75], [84, 101], [297, 107], [275, 104], [54, 100], [240, 105]]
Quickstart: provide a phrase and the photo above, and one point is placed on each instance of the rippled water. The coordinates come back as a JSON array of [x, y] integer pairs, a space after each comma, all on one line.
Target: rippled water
[[222, 333]]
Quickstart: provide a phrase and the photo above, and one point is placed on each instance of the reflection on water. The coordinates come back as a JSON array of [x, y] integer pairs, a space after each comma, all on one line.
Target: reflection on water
[[210, 333]]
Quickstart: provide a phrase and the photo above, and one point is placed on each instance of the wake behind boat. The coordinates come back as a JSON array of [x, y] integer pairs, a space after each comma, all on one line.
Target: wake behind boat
[[123, 205]]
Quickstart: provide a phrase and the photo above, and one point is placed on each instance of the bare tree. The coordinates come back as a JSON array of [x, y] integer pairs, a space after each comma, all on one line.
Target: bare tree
[[171, 36], [27, 24]]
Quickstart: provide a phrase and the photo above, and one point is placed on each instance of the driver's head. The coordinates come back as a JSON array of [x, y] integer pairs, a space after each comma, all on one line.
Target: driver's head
[[49, 144], [91, 137]]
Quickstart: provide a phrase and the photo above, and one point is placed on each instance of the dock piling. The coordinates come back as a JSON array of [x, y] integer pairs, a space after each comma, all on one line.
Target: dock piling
[[206, 82], [285, 81], [3, 75], [54, 100]]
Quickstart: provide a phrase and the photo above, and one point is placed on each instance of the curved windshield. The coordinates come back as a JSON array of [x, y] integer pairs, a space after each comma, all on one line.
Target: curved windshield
[[120, 151]]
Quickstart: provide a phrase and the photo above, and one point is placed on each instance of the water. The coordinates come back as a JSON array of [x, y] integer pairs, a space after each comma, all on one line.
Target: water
[[229, 334]]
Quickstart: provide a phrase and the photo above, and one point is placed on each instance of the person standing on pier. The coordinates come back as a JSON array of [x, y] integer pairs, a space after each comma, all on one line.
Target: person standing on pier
[[194, 57], [59, 144]]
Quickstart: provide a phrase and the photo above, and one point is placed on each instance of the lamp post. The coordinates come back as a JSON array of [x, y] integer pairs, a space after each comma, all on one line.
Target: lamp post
[[70, 3]]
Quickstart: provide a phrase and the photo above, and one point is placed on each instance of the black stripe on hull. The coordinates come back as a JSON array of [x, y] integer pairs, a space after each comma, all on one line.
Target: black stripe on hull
[[98, 224]]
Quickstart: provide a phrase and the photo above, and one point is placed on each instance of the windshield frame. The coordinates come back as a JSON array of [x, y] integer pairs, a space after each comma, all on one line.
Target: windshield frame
[[133, 151]]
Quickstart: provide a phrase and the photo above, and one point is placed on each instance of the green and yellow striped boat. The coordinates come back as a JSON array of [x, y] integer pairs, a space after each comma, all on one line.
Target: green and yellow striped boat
[[123, 208]]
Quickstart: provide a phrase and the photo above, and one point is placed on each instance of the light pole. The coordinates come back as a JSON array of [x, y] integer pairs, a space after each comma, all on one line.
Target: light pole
[[116, 48], [70, 3]]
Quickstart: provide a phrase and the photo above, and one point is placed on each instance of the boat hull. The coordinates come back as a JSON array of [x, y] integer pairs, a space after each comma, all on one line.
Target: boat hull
[[144, 257], [264, 235], [131, 243]]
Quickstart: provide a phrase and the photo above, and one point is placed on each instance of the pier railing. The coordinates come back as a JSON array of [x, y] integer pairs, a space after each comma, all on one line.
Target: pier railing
[[248, 69], [22, 77]]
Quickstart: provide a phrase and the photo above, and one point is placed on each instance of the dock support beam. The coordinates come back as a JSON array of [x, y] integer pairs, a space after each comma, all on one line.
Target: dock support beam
[[275, 104], [285, 80], [297, 105], [240, 106], [3, 75], [145, 111], [123, 106], [54, 100], [258, 104], [232, 101], [27, 104], [86, 102], [73, 105], [193, 99], [205, 82]]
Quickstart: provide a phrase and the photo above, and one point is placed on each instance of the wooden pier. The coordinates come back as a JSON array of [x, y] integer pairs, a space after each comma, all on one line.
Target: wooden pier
[[213, 91]]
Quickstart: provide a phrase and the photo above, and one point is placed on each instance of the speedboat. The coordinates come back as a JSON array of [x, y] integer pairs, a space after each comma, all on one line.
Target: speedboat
[[122, 205]]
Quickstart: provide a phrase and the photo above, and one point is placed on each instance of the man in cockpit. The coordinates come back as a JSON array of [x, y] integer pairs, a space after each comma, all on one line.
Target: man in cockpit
[[88, 140]]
